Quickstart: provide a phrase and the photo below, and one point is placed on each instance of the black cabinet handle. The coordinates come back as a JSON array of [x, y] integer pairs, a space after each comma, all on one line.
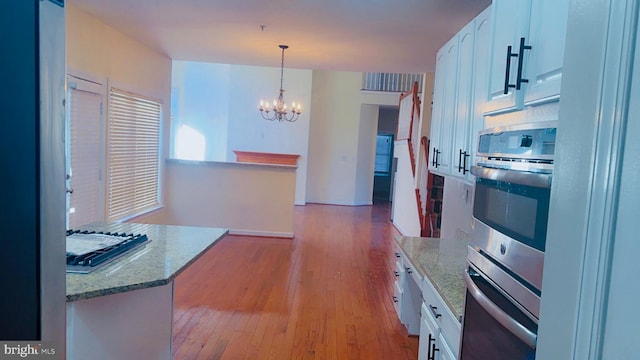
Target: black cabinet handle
[[437, 153], [398, 255], [464, 165], [396, 273], [508, 70], [395, 299], [409, 271], [434, 311], [433, 158], [523, 47], [433, 351], [430, 353]]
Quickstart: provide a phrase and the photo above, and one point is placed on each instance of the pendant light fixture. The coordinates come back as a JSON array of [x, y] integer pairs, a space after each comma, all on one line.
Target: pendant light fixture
[[278, 110]]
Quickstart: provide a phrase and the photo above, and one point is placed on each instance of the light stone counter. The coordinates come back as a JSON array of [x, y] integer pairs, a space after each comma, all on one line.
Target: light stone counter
[[442, 262], [124, 310], [170, 250]]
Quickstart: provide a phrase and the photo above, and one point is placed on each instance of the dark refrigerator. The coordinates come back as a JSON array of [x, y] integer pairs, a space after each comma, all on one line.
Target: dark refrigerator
[[32, 225]]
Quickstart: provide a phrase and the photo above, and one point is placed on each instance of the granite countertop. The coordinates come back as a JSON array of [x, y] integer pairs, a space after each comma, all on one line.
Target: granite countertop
[[442, 262], [170, 250]]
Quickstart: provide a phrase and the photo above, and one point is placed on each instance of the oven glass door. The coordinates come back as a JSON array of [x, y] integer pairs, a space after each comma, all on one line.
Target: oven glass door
[[484, 335], [516, 210]]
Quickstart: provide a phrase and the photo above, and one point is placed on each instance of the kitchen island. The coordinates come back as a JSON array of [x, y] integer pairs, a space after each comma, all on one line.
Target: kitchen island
[[124, 310]]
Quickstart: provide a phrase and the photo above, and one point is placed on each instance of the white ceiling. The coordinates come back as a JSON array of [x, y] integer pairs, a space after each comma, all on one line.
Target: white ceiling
[[348, 35]]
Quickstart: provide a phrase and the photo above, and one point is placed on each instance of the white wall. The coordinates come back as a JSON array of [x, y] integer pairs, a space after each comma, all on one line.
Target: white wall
[[101, 52], [366, 154], [220, 101], [335, 133], [200, 100], [249, 132]]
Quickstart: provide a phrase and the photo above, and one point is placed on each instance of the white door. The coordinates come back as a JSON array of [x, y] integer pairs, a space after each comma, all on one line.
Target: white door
[[84, 153]]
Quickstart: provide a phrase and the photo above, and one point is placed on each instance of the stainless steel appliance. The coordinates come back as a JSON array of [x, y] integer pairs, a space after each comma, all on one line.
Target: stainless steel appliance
[[504, 266]]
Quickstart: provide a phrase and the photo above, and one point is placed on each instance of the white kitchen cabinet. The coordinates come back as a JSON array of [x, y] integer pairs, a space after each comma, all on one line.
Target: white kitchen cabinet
[[429, 336], [397, 298], [547, 32], [473, 41], [411, 298], [446, 353], [527, 52], [510, 23], [461, 152], [447, 325], [399, 274], [407, 296], [444, 109], [482, 58]]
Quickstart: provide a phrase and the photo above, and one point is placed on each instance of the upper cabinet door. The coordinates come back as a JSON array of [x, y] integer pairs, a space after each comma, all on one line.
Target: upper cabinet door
[[464, 102], [510, 23], [444, 110], [482, 57], [543, 64], [436, 109]]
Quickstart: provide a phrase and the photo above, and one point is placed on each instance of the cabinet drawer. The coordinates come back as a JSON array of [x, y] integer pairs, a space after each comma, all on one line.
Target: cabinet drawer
[[449, 324], [410, 270], [397, 297], [399, 272]]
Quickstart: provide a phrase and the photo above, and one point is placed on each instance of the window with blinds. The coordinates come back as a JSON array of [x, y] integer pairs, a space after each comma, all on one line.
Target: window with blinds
[[84, 154], [133, 155]]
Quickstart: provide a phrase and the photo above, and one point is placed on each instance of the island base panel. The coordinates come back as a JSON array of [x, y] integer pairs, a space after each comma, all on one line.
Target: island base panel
[[131, 325]]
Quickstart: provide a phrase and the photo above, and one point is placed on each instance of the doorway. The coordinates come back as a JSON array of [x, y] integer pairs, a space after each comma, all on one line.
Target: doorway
[[384, 160]]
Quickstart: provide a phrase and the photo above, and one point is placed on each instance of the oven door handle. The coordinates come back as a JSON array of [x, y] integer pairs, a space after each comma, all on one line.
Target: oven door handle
[[518, 177], [511, 324]]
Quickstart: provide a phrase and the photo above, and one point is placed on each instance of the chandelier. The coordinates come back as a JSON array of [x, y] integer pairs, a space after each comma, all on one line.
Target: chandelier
[[278, 110]]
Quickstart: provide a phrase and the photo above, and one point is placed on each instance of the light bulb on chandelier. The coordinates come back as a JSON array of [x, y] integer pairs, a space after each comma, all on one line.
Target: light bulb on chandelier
[[278, 110]]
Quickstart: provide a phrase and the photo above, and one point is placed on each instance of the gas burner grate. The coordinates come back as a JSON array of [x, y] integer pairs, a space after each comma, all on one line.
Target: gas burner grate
[[114, 245]]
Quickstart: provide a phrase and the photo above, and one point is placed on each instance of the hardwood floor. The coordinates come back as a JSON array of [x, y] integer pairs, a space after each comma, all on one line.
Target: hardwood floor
[[326, 294]]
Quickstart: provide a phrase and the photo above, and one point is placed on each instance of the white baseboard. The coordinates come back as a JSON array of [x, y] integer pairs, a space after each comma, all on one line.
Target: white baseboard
[[288, 235], [300, 203], [343, 203], [402, 232]]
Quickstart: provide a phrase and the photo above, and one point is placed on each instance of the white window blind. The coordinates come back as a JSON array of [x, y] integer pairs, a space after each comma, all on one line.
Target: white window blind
[[84, 157], [133, 154]]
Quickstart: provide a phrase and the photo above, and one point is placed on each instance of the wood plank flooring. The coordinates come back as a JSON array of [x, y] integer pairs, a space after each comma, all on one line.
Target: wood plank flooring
[[326, 294]]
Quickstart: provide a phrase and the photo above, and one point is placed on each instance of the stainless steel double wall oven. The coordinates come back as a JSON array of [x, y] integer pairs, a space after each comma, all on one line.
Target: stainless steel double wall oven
[[504, 266]]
